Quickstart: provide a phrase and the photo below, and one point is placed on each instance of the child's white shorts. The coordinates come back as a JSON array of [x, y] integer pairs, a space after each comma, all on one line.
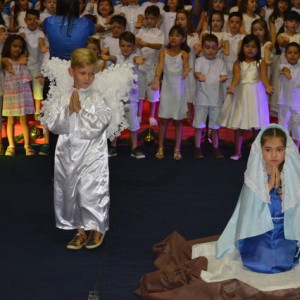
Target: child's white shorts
[[145, 90], [201, 114], [289, 118], [131, 115]]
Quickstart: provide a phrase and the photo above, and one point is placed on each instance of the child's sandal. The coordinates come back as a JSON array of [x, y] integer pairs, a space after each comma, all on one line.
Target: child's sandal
[[177, 154], [29, 151], [10, 151], [160, 153]]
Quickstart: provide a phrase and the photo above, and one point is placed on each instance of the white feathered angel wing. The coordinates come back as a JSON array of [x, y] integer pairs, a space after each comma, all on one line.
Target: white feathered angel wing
[[113, 84]]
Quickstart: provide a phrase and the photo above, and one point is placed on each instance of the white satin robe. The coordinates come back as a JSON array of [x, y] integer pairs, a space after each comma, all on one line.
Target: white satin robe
[[81, 176]]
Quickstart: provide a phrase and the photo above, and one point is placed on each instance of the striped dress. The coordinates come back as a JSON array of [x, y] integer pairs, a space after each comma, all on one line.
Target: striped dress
[[17, 97]]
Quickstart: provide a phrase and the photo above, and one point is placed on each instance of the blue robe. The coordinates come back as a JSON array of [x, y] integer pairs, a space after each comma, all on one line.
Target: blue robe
[[270, 252]]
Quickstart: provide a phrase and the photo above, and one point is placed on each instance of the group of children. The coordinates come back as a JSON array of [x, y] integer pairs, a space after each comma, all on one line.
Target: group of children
[[228, 70]]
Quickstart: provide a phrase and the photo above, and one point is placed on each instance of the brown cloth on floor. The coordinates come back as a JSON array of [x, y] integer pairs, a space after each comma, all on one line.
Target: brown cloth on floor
[[178, 277]]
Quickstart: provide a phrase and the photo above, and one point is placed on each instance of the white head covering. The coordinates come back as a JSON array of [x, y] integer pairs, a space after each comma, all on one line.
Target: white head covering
[[256, 177]]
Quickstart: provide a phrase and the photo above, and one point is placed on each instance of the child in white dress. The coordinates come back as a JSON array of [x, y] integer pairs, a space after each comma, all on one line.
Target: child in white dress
[[213, 5], [48, 9], [184, 19], [81, 187], [174, 62], [216, 21], [17, 97], [248, 9], [168, 17], [267, 10], [246, 104], [260, 29]]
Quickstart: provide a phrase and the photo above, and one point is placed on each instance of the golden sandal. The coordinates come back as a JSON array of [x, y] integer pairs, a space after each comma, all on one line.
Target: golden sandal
[[29, 151], [160, 153], [10, 151], [177, 154]]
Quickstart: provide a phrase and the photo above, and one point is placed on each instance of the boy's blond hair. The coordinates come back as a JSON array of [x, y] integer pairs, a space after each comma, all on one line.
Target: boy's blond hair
[[83, 57]]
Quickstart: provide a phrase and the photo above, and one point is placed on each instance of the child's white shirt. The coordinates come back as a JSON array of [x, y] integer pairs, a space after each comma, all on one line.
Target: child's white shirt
[[278, 23], [117, 8], [295, 38], [192, 40], [112, 44], [168, 20], [131, 13], [209, 92], [248, 22], [21, 19], [35, 55], [290, 89], [234, 41], [268, 12], [263, 47], [44, 15], [154, 36]]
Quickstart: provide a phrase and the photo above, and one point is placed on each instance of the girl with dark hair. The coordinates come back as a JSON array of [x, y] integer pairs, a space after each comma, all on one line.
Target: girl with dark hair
[[260, 29], [184, 19], [17, 97], [249, 10], [174, 62], [263, 226], [246, 105], [18, 15]]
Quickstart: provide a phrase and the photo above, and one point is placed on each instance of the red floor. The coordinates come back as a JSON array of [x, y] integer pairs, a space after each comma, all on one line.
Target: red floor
[[188, 131]]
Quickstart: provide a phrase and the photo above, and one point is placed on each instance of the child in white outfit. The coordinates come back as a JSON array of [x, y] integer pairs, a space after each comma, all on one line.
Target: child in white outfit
[[174, 62], [35, 40], [133, 15], [81, 187], [246, 104], [150, 40], [211, 73], [111, 42], [289, 97], [232, 43], [127, 46]]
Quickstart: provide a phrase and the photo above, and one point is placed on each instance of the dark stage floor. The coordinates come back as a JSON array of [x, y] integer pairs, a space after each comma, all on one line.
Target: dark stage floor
[[149, 200]]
